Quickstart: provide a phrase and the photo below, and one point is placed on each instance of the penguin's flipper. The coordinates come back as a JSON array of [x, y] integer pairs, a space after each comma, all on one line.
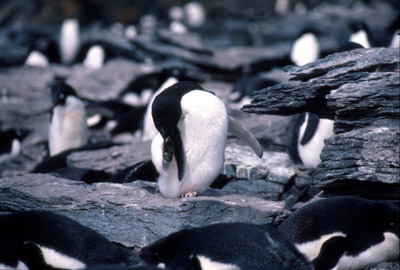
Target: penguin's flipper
[[179, 153], [244, 134], [311, 128]]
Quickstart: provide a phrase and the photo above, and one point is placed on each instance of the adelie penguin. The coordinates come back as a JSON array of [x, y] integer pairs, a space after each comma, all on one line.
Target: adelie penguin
[[70, 40], [226, 246], [345, 232], [308, 137], [188, 150], [68, 127], [42, 240], [305, 49], [310, 130]]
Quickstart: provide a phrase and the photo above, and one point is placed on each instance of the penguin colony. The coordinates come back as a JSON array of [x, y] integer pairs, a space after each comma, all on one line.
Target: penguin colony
[[188, 126]]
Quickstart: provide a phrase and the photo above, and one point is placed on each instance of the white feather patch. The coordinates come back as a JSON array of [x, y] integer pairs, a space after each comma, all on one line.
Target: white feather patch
[[361, 38], [208, 264], [56, 259], [387, 250], [20, 266], [311, 249], [310, 152], [305, 49], [37, 59]]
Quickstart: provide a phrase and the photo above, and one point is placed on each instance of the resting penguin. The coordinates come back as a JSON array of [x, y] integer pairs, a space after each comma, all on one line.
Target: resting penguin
[[45, 240], [345, 232], [230, 246], [188, 150], [68, 127]]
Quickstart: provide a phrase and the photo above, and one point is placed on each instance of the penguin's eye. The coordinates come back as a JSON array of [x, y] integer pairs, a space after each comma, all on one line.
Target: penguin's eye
[[61, 96]]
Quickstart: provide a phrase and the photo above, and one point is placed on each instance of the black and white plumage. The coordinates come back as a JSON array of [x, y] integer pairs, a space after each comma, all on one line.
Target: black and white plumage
[[10, 141], [232, 246], [361, 34], [309, 134], [345, 232], [70, 40], [305, 49], [188, 150], [68, 127], [45, 240]]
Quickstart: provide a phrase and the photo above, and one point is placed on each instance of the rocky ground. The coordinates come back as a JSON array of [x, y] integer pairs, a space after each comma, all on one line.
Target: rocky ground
[[359, 90]]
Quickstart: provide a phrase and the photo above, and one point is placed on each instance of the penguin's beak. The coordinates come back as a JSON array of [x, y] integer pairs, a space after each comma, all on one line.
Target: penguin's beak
[[173, 146]]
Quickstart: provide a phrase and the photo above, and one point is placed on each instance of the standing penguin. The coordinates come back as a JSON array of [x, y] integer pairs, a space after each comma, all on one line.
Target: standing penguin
[[68, 127], [188, 150], [45, 240], [69, 40], [309, 134], [305, 49], [360, 34], [345, 232]]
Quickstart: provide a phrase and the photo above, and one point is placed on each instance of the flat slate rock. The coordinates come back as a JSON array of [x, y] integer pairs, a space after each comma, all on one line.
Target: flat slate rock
[[111, 159], [265, 177], [344, 71], [133, 214]]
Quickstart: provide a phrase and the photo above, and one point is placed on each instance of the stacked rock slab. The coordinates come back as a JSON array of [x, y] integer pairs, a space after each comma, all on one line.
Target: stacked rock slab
[[360, 91]]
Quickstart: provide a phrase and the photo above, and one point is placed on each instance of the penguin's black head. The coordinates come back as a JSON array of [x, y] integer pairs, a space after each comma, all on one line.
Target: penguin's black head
[[165, 250], [389, 217], [60, 91], [166, 112], [356, 26]]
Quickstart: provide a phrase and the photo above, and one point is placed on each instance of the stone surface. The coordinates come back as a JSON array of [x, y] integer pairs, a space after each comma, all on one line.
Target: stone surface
[[341, 76], [134, 214], [111, 159], [359, 89]]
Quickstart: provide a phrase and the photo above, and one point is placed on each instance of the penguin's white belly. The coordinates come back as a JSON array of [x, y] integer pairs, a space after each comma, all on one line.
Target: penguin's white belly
[[203, 128], [68, 127], [37, 59], [361, 38], [305, 50], [310, 152], [387, 250]]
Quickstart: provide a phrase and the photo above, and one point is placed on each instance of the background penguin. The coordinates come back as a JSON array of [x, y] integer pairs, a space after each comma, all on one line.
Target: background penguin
[[69, 40], [310, 131], [167, 78], [309, 134], [305, 49], [10, 141], [95, 57], [345, 232], [68, 127], [361, 34], [43, 52], [57, 241], [188, 151], [231, 246]]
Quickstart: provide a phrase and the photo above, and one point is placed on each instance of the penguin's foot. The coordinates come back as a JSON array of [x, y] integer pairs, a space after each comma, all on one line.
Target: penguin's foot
[[189, 194]]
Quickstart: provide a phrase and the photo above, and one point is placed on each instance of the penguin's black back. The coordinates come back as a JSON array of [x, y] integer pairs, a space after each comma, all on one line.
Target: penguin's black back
[[248, 246], [362, 221], [59, 233], [166, 108]]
